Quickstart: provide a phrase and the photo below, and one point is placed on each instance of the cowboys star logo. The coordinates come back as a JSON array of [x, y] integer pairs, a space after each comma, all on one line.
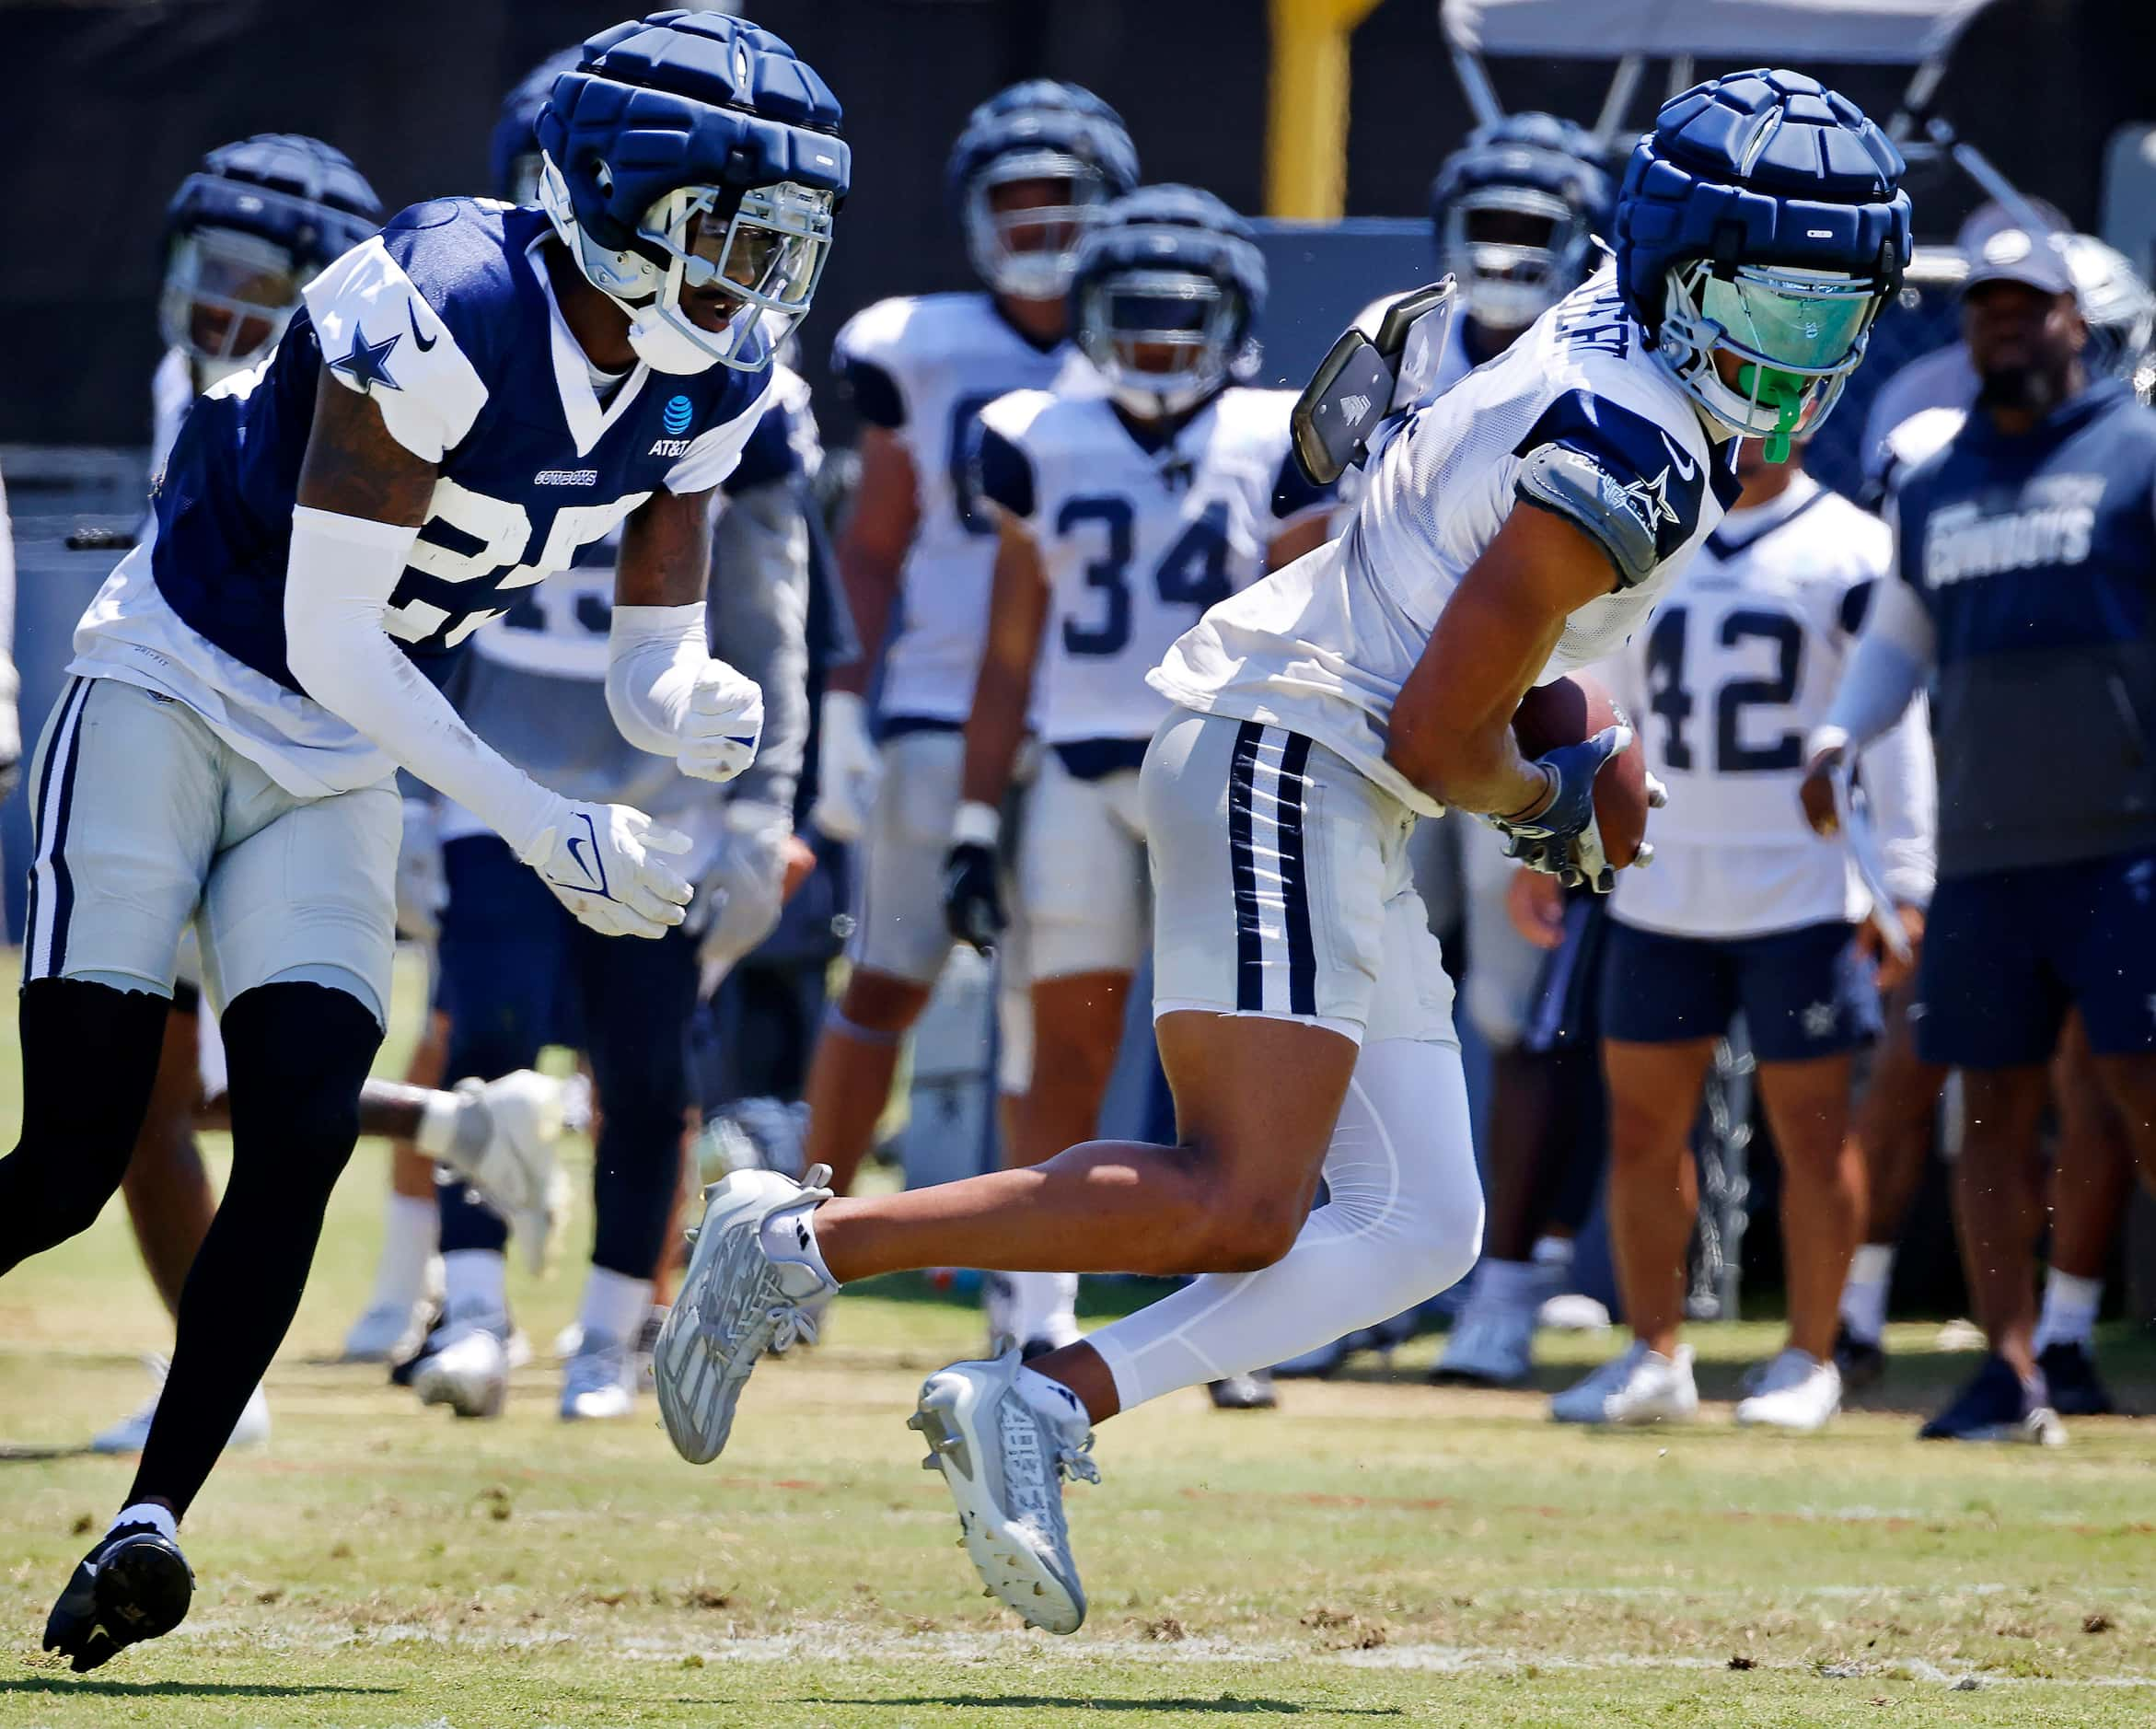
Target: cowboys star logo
[[1649, 499]]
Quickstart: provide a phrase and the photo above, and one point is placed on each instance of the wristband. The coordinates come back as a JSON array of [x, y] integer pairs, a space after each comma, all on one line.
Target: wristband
[[977, 824]]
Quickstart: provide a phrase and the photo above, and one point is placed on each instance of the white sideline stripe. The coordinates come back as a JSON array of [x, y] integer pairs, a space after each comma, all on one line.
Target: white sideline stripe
[[838, 1642]]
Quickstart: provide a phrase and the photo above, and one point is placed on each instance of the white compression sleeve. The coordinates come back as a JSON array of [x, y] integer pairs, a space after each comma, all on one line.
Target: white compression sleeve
[[337, 590], [1402, 1220], [1902, 784], [652, 656], [1892, 656]]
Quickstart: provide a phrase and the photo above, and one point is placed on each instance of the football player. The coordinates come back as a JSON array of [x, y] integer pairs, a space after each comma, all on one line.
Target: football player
[[516, 966], [2016, 543], [1122, 516], [1746, 911], [245, 229], [1033, 168], [461, 403], [1515, 528]]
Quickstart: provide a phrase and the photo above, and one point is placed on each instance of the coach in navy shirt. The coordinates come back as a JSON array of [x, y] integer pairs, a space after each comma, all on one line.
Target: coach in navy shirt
[[2025, 569]]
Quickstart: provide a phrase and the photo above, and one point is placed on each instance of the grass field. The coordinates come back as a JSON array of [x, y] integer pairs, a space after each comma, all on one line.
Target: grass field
[[1378, 1552]]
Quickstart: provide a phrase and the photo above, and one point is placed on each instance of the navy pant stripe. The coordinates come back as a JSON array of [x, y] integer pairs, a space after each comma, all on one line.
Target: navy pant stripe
[[1295, 879], [55, 793], [1249, 938]]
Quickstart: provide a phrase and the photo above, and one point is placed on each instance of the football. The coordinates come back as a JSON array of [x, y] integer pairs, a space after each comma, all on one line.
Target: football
[[1575, 708]]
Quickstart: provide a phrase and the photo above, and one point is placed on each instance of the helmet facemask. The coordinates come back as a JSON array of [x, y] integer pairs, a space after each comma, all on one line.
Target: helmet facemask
[[756, 259], [1515, 252], [226, 298], [1029, 253], [1796, 334], [1164, 339]]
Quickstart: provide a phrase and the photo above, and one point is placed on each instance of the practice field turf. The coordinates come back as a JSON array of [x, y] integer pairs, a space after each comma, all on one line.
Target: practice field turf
[[1378, 1552]]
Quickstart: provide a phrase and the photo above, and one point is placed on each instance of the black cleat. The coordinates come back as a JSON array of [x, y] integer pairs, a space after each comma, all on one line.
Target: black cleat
[[1245, 1392], [1996, 1405], [135, 1585], [2076, 1389], [1862, 1363]]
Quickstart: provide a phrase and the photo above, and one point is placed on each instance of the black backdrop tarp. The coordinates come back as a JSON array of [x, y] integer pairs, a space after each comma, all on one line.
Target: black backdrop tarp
[[109, 104]]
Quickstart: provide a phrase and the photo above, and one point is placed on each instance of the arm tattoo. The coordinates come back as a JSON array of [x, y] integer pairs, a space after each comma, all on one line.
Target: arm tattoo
[[354, 468], [666, 552]]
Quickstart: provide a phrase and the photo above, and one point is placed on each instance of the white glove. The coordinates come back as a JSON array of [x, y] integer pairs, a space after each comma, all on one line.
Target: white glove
[[847, 767], [422, 887], [602, 863], [724, 724], [742, 894]]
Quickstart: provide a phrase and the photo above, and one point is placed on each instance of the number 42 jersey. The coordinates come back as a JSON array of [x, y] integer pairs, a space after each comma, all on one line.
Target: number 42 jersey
[[448, 321], [1737, 667]]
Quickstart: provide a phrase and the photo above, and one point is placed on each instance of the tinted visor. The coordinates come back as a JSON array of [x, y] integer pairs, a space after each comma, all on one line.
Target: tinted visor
[[1798, 321]]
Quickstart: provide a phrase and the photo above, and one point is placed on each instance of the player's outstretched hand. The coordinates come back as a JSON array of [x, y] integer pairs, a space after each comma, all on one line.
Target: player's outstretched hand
[[973, 904], [724, 724], [605, 864], [1562, 838]]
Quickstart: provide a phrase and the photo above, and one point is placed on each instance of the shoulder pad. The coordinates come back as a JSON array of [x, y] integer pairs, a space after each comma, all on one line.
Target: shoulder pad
[[1576, 487], [1366, 377]]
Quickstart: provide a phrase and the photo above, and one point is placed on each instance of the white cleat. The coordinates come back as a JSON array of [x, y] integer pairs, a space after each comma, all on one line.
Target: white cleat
[[1493, 1344], [1573, 1312], [515, 1122], [735, 1304], [600, 1381], [470, 1374], [1004, 1438], [130, 1433], [388, 1333], [1639, 1387], [1794, 1391]]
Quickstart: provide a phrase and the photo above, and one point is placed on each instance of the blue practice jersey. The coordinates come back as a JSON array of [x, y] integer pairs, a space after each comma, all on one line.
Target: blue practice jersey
[[2035, 558], [448, 321]]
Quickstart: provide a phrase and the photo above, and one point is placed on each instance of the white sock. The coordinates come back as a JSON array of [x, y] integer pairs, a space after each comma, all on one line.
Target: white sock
[[411, 1228], [1403, 1220], [1863, 1293], [1044, 1305], [614, 1306], [789, 1235], [2070, 1309], [1052, 1399], [1514, 1284], [149, 1513], [476, 1285]]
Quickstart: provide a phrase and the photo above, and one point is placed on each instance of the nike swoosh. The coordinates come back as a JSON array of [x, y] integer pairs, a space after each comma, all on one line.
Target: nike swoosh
[[425, 342], [576, 848], [1685, 467]]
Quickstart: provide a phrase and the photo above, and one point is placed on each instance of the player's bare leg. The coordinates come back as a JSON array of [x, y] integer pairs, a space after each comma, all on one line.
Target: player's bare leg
[[1653, 1187], [850, 1075], [170, 1200], [2091, 1184], [1823, 1200], [1998, 1205]]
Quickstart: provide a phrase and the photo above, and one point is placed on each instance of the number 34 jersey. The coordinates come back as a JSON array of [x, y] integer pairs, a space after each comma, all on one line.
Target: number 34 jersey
[[1138, 537], [1738, 664], [446, 319], [922, 367]]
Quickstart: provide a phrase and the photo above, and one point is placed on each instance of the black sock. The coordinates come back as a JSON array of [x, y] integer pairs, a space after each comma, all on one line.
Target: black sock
[[89, 1054], [297, 1055]]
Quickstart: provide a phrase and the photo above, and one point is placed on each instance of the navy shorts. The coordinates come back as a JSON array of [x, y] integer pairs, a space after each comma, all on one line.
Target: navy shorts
[[2007, 954], [1804, 993]]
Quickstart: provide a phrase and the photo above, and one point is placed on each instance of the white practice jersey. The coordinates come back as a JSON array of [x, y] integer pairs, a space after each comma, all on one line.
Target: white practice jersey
[[924, 367], [1944, 379], [1739, 665], [1577, 417], [1135, 542], [172, 394]]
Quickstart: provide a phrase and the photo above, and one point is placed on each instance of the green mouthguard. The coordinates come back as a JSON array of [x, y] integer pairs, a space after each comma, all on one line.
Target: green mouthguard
[[1783, 392]]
